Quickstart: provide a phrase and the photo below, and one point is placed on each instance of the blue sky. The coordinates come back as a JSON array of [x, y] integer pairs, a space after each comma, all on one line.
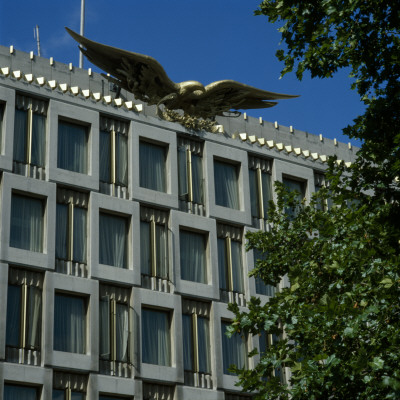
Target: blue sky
[[204, 40]]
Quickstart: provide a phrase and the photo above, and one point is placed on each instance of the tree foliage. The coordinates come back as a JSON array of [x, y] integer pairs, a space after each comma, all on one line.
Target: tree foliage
[[339, 320]]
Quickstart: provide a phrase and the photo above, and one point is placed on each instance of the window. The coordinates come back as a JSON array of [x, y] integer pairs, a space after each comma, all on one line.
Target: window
[[68, 386], [196, 339], [71, 220], [14, 392], [113, 151], [295, 186], [267, 340], [320, 182], [69, 323], [193, 256], [72, 147], [29, 131], [24, 316], [2, 108], [230, 261], [234, 349], [153, 246], [226, 185], [190, 171], [113, 240], [114, 331], [26, 223], [156, 337], [152, 160], [260, 189], [261, 287]]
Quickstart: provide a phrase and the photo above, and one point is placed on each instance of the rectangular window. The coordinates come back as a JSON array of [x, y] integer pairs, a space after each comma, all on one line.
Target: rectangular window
[[156, 337], [24, 316], [72, 147], [261, 287], [113, 151], [114, 331], [234, 349], [69, 323], [299, 187], [196, 338], [267, 340], [230, 262], [71, 221], [67, 386], [260, 188], [30, 131], [320, 182], [153, 246], [2, 108], [190, 175], [226, 185], [15, 392], [152, 160], [113, 240], [193, 256], [26, 230]]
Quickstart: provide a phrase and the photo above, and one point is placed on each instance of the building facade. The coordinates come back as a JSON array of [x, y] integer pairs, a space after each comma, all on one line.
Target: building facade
[[122, 237]]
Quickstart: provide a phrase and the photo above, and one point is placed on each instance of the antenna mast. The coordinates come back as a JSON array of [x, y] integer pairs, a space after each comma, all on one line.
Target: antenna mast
[[82, 30], [36, 35]]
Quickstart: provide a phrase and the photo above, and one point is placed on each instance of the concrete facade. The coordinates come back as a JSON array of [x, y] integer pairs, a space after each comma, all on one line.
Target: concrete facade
[[83, 98]]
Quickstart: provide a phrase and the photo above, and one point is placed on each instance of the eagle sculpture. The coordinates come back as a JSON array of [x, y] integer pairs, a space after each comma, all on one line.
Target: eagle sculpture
[[146, 79]]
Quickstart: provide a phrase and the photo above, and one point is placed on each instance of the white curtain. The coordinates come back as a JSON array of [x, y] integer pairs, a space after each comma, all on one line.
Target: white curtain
[[187, 342], [222, 264], [26, 223], [20, 135], [62, 231], [13, 392], [80, 237], [13, 316], [72, 147], [105, 352], [113, 241], [152, 167], [34, 310], [226, 185], [69, 324], [237, 269], [38, 140], [156, 337], [192, 251], [233, 350], [161, 251], [204, 344], [254, 203], [121, 159], [122, 332], [197, 178], [105, 156], [145, 246]]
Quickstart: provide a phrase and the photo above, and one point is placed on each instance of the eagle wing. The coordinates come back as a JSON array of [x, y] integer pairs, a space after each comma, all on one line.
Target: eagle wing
[[140, 74], [222, 96]]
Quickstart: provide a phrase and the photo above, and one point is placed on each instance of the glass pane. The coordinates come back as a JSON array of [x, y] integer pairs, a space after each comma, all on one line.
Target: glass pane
[[113, 240], [145, 246], [222, 264], [34, 317], [77, 396], [13, 316], [204, 344], [193, 256], [122, 332], [1, 125], [261, 287], [58, 394], [121, 159], [226, 185], [62, 231], [69, 324], [233, 350], [38, 140], [14, 392], [266, 191], [161, 251], [237, 270], [105, 156], [152, 166], [182, 173], [156, 341], [105, 353], [188, 347], [72, 147], [255, 208], [80, 240], [20, 135], [197, 178], [298, 187], [26, 223]]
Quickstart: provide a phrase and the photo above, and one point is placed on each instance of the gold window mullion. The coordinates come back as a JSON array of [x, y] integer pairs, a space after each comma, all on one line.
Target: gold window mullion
[[153, 248], [195, 343], [24, 298], [189, 174], [260, 193], [70, 231], [113, 169], [229, 262], [68, 391]]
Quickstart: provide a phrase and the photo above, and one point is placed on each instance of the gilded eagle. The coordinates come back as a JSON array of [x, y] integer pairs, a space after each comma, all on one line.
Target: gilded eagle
[[147, 80]]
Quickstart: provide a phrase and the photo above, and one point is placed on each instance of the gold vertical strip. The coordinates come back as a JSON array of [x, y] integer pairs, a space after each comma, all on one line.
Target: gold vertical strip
[[260, 193], [113, 172], [24, 298], [68, 391], [70, 231], [229, 262], [189, 174], [195, 343], [153, 248]]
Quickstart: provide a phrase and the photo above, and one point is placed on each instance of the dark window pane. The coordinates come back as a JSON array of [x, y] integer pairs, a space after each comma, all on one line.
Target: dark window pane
[[13, 316], [14, 392]]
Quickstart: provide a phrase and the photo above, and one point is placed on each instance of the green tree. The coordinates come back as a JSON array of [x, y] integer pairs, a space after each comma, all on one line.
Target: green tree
[[339, 320]]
